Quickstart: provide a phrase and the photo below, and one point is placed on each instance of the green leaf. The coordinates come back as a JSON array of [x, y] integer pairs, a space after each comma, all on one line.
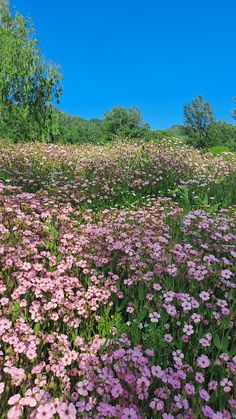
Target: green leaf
[[221, 344], [217, 341], [3, 175], [141, 293], [142, 314], [36, 328]]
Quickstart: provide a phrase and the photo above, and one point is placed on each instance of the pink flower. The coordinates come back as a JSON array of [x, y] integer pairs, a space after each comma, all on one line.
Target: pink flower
[[204, 295], [107, 409], [157, 404], [188, 329], [116, 390], [189, 389], [130, 309], [204, 395], [232, 403], [154, 317], [38, 368], [66, 411], [199, 377], [84, 387], [171, 310], [212, 385], [168, 338], [208, 412], [46, 411], [226, 384], [149, 352], [15, 412], [157, 371], [128, 413], [225, 273], [203, 361], [28, 401], [83, 406], [157, 287], [14, 399], [196, 318]]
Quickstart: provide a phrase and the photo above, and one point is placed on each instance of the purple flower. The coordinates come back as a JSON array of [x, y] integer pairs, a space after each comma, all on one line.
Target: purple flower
[[232, 403], [199, 377], [208, 412], [204, 395], [129, 413], [157, 404], [203, 361], [212, 385], [189, 389], [168, 338]]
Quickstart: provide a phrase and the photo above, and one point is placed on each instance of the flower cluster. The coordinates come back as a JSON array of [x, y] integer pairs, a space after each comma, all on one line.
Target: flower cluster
[[97, 177], [114, 312]]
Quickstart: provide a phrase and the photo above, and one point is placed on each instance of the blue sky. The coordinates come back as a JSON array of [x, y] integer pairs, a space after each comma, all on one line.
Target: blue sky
[[153, 54]]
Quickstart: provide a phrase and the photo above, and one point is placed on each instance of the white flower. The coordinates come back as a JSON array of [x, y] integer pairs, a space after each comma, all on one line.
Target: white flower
[[154, 317]]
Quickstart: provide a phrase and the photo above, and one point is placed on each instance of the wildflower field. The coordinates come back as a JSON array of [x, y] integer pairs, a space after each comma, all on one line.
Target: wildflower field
[[117, 282]]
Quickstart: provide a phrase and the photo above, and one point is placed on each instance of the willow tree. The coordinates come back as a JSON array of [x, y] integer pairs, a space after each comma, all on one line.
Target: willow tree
[[29, 85]]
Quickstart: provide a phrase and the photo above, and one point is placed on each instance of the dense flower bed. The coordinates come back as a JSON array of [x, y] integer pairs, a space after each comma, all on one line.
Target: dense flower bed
[[116, 175], [114, 313]]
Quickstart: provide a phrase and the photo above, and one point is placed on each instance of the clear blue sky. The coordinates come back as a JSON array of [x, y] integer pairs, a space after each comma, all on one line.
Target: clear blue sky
[[153, 54]]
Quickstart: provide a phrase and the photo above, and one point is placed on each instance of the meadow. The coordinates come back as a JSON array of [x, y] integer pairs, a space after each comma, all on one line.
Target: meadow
[[117, 281]]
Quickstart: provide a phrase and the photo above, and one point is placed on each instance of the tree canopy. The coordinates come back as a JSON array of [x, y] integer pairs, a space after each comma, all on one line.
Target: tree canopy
[[234, 110], [198, 115], [124, 122], [29, 84]]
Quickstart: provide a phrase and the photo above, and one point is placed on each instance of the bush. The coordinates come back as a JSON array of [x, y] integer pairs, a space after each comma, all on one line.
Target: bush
[[222, 134]]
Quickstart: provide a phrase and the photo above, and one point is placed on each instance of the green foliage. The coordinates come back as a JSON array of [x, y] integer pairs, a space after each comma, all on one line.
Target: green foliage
[[234, 110], [74, 130], [119, 122], [158, 135], [198, 115], [179, 131], [218, 149], [111, 326], [28, 83], [222, 134], [14, 310], [3, 176], [124, 122]]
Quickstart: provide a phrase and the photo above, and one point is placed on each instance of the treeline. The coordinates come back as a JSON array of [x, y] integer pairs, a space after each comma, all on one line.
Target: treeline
[[119, 122], [30, 90], [200, 128]]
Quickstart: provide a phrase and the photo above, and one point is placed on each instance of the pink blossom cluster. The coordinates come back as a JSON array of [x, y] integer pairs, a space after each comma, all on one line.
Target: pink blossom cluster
[[85, 175], [113, 313]]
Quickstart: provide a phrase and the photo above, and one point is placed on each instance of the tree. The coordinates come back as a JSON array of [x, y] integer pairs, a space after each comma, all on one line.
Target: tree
[[124, 122], [222, 134], [74, 130], [4, 10], [29, 85], [234, 110], [198, 115]]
